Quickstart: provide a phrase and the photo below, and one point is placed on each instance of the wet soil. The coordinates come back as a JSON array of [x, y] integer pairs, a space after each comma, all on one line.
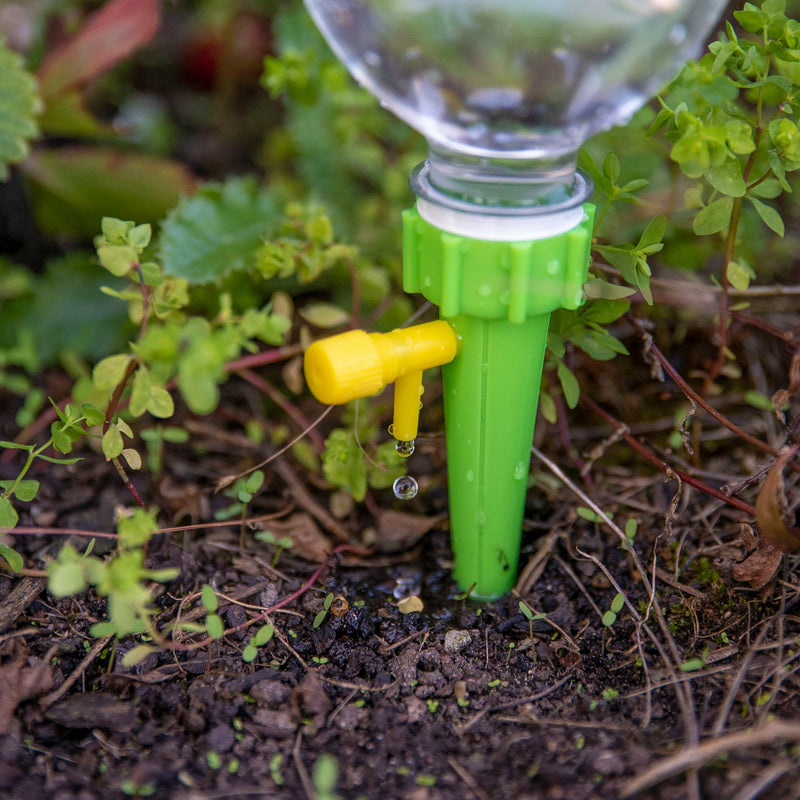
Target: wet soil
[[691, 691]]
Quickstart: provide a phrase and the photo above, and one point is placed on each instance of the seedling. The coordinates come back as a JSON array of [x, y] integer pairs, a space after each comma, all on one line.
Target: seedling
[[280, 544], [617, 604], [531, 616], [214, 625], [326, 607], [324, 775], [259, 639]]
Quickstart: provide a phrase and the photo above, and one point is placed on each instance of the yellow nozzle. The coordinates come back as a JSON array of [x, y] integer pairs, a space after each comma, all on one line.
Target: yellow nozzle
[[358, 364]]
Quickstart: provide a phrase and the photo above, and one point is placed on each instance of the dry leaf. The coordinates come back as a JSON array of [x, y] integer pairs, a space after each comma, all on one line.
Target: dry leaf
[[759, 567], [399, 530], [309, 701], [19, 682], [308, 541], [775, 521]]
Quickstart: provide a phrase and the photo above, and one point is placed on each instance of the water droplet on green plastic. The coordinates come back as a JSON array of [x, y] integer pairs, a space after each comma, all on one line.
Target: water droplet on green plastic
[[470, 476], [553, 266], [404, 448], [484, 290], [519, 472], [405, 488], [481, 517]]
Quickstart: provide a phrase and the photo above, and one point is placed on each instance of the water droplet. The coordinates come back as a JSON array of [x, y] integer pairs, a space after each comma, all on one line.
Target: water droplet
[[426, 281], [404, 448], [484, 290], [480, 517], [405, 488], [470, 476], [553, 266], [519, 472]]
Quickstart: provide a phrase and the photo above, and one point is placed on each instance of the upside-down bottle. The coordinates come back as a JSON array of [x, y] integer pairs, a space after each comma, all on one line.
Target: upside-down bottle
[[505, 92]]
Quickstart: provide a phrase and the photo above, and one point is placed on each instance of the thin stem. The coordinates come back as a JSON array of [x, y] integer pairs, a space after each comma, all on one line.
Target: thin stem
[[662, 465]]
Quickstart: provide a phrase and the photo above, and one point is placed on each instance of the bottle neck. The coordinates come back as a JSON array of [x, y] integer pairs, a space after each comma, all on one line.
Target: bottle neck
[[501, 199]]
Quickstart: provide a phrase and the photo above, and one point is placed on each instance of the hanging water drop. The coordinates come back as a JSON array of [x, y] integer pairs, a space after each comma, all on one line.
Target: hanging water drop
[[405, 488], [404, 448]]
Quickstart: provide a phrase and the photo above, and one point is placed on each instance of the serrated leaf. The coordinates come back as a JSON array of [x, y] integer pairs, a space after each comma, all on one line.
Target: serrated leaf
[[19, 104], [771, 218], [12, 557], [216, 231]]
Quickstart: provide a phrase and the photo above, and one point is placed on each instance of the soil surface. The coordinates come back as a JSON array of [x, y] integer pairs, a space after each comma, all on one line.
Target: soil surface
[[692, 691]]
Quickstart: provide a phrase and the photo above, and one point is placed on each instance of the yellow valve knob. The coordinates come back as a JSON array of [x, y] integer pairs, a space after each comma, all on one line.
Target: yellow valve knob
[[358, 364]]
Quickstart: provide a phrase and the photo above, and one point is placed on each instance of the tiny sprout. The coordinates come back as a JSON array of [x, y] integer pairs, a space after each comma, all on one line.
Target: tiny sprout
[[326, 607]]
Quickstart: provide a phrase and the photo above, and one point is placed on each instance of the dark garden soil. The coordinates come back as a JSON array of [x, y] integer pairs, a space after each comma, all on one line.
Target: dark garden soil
[[695, 696]]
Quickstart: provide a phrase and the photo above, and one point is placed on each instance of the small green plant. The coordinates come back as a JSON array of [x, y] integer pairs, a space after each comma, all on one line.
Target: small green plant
[[531, 616], [275, 769], [259, 639], [280, 544], [324, 776], [323, 613], [214, 625], [617, 604], [122, 579]]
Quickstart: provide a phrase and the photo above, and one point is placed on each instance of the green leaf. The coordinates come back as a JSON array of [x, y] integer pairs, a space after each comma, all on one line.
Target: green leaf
[[65, 578], [324, 315], [140, 392], [217, 231], [24, 490], [139, 236], [19, 104], [618, 602], [250, 653], [112, 443], [115, 230], [600, 289], [208, 597], [214, 626], [9, 554], [771, 218], [263, 635], [72, 187], [740, 274], [714, 218], [92, 414], [569, 385], [160, 403], [727, 178], [653, 233], [609, 618], [110, 371], [117, 258], [547, 407], [137, 654]]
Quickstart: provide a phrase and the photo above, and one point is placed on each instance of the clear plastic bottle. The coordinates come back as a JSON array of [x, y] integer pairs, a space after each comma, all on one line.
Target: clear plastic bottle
[[506, 91]]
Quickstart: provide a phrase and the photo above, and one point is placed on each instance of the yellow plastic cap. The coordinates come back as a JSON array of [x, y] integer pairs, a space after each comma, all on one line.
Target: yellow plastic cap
[[344, 367]]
